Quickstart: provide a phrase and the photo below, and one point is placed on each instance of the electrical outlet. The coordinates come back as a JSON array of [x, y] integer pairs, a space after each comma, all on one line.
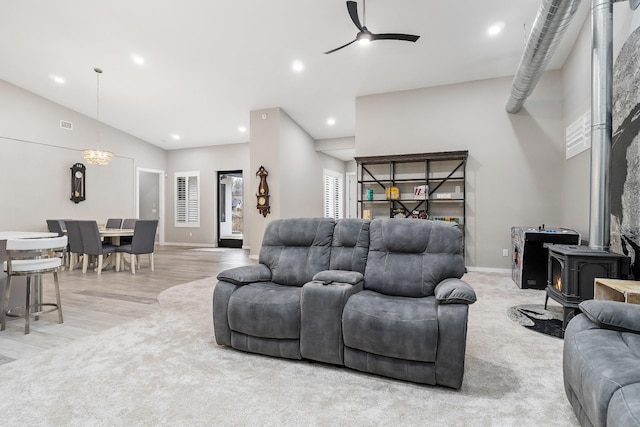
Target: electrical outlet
[[505, 252], [191, 235]]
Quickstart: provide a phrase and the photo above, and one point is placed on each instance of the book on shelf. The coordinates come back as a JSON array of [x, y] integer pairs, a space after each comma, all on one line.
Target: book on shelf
[[421, 192]]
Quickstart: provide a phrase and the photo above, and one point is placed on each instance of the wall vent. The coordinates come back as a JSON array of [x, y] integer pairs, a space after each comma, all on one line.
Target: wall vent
[[66, 125], [578, 137]]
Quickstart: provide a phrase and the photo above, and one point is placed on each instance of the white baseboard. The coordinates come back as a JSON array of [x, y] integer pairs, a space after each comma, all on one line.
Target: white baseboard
[[197, 245], [489, 270], [253, 257]]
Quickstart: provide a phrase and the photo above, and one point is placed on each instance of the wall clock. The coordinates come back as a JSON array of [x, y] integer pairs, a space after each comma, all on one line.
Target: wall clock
[[263, 192], [78, 183]]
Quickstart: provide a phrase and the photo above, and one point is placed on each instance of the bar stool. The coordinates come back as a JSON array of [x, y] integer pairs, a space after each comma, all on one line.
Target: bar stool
[[33, 257]]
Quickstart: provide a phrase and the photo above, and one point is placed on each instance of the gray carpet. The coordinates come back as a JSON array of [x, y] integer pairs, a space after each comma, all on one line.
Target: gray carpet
[[166, 369]]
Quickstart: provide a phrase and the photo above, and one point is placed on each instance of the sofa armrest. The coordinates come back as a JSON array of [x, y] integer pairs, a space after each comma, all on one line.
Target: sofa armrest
[[614, 315], [246, 274], [338, 276], [454, 291]]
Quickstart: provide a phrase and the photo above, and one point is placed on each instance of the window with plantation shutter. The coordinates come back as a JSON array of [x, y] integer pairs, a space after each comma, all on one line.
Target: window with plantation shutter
[[333, 194], [187, 199]]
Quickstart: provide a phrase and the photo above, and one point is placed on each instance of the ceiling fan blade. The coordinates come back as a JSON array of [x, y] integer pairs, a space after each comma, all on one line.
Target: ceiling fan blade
[[352, 7], [394, 36], [338, 48]]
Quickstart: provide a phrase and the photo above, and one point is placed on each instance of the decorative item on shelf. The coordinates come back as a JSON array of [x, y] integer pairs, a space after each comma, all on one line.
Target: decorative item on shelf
[[78, 174], [263, 192], [421, 192], [441, 196], [419, 214], [97, 156], [446, 219], [369, 194], [398, 213], [392, 193]]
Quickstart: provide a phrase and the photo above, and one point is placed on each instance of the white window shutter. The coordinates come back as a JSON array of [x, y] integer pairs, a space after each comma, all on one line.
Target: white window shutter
[[187, 199], [333, 194]]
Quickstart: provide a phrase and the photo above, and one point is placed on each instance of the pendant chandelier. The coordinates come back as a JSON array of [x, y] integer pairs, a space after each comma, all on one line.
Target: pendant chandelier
[[97, 156]]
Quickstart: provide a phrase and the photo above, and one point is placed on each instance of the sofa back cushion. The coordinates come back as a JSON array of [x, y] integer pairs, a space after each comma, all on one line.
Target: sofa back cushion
[[295, 249], [350, 245], [409, 257]]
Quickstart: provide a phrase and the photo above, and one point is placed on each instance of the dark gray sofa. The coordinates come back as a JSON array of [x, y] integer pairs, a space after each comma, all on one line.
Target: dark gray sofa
[[381, 296], [601, 364]]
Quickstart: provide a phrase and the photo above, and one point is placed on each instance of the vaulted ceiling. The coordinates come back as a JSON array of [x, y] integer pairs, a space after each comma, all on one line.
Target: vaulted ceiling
[[208, 63]]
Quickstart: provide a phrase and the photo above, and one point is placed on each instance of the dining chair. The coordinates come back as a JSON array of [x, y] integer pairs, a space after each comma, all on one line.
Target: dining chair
[[32, 258], [128, 223], [57, 226], [75, 243], [113, 223], [92, 245], [143, 242]]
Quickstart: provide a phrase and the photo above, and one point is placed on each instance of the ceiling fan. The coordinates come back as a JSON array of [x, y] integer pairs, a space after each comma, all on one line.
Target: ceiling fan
[[364, 35]]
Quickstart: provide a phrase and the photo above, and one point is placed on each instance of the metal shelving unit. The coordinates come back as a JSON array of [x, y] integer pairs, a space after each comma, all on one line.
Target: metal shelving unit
[[390, 186]]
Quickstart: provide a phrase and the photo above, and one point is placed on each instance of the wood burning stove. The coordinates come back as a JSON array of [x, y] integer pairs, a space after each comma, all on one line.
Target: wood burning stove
[[571, 273]]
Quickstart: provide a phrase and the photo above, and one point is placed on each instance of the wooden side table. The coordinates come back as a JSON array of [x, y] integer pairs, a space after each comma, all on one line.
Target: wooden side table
[[617, 290]]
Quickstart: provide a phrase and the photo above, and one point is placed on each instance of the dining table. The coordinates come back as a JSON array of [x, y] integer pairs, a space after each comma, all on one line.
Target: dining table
[[114, 234], [18, 284]]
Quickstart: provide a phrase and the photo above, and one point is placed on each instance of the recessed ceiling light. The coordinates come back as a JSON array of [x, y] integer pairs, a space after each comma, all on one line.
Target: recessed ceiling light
[[175, 136], [242, 129], [331, 121], [137, 59], [297, 66], [56, 79], [495, 29]]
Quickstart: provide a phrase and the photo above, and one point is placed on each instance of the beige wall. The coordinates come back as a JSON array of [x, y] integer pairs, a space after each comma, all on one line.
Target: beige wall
[[289, 154], [517, 173], [208, 161], [515, 161], [36, 156]]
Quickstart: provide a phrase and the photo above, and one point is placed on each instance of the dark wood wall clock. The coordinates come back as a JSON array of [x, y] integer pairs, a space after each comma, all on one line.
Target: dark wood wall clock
[[78, 183], [263, 192]]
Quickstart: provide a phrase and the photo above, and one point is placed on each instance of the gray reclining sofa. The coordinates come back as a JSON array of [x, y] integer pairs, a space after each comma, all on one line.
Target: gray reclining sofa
[[601, 364], [381, 296]]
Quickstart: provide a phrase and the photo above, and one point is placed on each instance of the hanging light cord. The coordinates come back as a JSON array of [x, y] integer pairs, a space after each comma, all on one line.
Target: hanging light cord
[[98, 72]]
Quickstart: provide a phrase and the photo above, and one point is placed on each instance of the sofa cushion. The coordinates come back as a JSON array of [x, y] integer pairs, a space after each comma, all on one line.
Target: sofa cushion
[[328, 277], [266, 310], [297, 248], [400, 327], [624, 408], [410, 257], [597, 363], [615, 315], [246, 274], [350, 245], [455, 291]]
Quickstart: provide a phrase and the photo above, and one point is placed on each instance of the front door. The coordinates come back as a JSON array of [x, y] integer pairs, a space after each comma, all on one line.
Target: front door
[[230, 209]]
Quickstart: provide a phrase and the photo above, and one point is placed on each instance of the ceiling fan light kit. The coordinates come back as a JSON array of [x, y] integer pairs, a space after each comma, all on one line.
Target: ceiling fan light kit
[[364, 36]]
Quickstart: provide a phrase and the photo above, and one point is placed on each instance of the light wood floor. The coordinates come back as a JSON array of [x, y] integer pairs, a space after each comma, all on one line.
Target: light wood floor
[[92, 303]]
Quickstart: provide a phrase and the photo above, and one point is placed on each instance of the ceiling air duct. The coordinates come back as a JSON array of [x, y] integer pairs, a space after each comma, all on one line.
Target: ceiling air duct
[[554, 16]]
